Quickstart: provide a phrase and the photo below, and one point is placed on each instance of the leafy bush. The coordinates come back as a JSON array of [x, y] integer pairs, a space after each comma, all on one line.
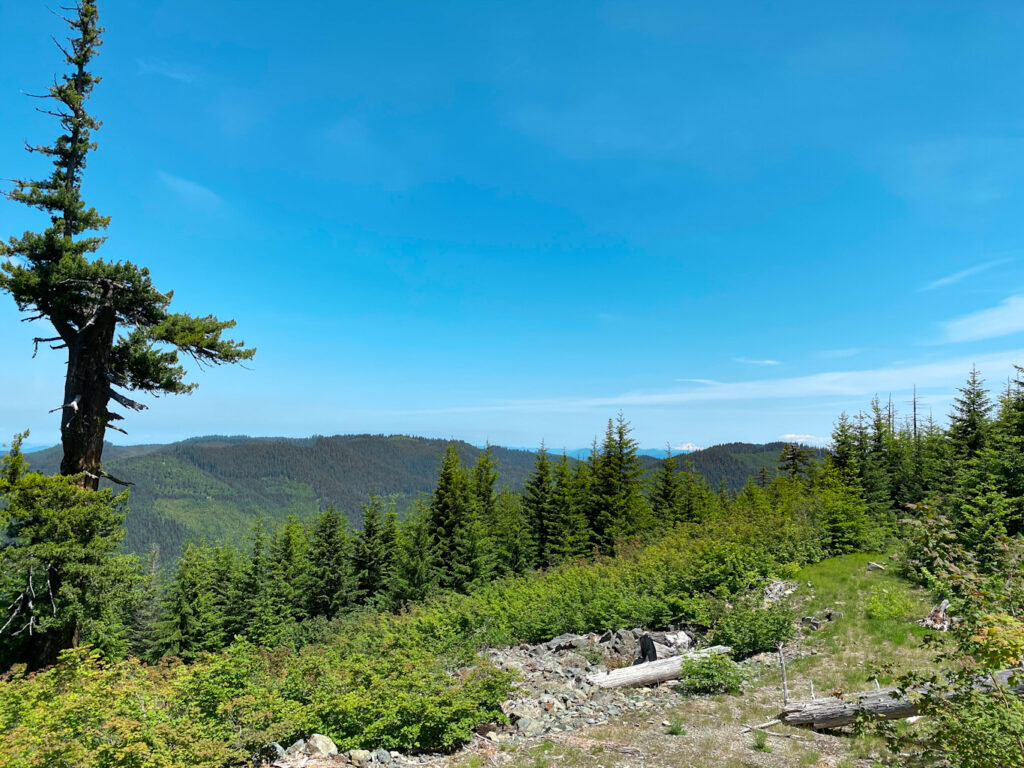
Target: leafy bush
[[748, 628], [714, 674]]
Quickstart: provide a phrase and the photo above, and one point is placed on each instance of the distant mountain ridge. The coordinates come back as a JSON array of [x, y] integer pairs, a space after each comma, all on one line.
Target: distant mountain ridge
[[217, 486]]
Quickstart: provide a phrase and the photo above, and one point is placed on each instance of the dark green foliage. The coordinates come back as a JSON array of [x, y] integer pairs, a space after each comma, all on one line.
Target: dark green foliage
[[113, 322], [539, 506], [62, 581], [795, 461], [618, 508], [332, 583], [969, 421], [570, 535], [375, 551], [667, 495], [415, 577], [191, 618]]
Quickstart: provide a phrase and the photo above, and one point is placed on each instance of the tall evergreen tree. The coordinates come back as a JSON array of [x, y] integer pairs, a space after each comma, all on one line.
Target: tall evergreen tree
[[539, 505], [375, 550], [513, 547], [970, 420], [89, 301], [332, 583], [667, 493], [460, 552], [569, 534], [189, 622], [415, 576], [621, 509]]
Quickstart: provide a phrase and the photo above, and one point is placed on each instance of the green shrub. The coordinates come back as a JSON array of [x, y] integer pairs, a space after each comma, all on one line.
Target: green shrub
[[760, 742], [714, 674], [888, 603], [750, 629]]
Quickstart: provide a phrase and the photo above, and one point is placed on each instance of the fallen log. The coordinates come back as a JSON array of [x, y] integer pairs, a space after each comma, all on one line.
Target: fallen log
[[884, 704], [653, 671]]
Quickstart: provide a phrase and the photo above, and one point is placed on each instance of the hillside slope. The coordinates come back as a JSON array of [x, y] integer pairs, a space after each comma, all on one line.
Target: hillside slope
[[217, 486]]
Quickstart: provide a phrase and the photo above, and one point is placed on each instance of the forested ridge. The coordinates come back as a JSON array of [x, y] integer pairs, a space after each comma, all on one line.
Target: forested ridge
[[216, 486]]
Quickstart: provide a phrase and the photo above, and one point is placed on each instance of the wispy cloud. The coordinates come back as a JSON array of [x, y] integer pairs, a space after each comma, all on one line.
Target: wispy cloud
[[180, 72], [748, 361], [963, 274], [1001, 320], [837, 384], [190, 192]]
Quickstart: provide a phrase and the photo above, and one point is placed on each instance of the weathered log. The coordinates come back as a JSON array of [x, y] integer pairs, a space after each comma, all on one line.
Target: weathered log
[[653, 671], [884, 704]]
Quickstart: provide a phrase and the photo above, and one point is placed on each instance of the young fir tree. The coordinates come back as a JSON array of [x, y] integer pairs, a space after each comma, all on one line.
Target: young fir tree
[[147, 608], [970, 420], [374, 550], [485, 476], [795, 462], [621, 509], [63, 582], [289, 567], [268, 615], [115, 326], [697, 500], [514, 550], [332, 583], [570, 535], [539, 506], [189, 621], [459, 554], [415, 576], [667, 493]]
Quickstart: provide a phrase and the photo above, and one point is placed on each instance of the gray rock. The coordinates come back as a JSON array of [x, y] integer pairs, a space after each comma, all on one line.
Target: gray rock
[[360, 757], [382, 756], [319, 745], [574, 661], [296, 748], [276, 749]]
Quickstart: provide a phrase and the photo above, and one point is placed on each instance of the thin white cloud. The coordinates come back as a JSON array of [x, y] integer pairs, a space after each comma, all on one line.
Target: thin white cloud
[[698, 381], [748, 361], [180, 72], [1001, 320], [963, 274], [190, 192], [946, 374]]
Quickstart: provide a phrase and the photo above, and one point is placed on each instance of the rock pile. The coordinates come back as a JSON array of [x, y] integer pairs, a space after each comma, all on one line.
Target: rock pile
[[555, 695], [319, 750]]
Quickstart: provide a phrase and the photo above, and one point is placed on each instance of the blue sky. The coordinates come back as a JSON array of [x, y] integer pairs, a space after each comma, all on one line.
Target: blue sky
[[507, 222]]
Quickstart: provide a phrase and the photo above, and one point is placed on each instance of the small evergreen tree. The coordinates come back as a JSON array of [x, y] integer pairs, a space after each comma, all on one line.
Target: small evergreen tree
[[667, 493], [374, 550], [332, 584], [570, 535], [62, 580], [539, 506]]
